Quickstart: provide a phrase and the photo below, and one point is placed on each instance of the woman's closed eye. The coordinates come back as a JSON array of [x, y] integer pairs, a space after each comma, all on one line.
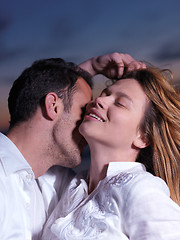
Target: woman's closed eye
[[123, 101], [119, 104]]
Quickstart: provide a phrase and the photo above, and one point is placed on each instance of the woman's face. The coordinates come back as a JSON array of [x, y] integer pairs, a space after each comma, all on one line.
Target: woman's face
[[113, 119]]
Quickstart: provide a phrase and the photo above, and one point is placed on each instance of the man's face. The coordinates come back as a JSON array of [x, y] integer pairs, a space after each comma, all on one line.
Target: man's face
[[70, 141]]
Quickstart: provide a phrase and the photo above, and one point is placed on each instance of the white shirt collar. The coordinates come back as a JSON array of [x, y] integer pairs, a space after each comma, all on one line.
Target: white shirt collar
[[116, 167], [113, 169], [11, 158]]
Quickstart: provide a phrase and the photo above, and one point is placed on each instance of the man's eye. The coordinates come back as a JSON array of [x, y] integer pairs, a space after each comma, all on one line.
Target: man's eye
[[102, 94], [105, 93]]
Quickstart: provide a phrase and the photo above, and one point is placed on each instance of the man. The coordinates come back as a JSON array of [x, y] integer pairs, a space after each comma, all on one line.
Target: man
[[45, 105]]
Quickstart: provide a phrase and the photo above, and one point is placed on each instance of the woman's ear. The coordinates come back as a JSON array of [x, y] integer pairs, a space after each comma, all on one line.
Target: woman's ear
[[53, 105], [140, 141]]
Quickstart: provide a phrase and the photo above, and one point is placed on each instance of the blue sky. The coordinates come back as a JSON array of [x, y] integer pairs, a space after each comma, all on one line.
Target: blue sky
[[79, 29]]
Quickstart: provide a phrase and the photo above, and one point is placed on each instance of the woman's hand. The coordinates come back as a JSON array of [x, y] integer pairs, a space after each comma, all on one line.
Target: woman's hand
[[111, 65]]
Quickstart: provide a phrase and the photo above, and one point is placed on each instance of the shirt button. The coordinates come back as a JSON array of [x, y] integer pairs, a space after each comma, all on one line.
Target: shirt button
[[27, 204], [57, 221], [29, 176]]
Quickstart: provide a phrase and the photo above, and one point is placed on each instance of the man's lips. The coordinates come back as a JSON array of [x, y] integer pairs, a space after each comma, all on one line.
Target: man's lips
[[94, 114]]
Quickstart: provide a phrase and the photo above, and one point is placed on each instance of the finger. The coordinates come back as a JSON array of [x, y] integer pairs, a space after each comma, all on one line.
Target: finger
[[120, 69], [135, 65], [100, 62], [127, 59], [122, 61], [143, 66], [121, 57]]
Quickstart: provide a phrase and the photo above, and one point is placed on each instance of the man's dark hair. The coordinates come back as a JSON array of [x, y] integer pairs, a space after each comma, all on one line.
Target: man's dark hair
[[44, 76]]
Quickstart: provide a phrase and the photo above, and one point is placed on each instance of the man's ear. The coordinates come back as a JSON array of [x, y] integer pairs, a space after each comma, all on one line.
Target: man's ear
[[140, 141], [53, 105]]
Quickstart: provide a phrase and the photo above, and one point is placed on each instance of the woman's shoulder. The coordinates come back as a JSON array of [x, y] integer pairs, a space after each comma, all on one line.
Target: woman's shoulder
[[147, 182], [136, 182]]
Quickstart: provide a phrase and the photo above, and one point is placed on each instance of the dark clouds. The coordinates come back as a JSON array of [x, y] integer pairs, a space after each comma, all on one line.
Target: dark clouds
[[5, 54], [5, 22], [11, 54], [169, 51], [62, 30], [77, 29], [66, 27]]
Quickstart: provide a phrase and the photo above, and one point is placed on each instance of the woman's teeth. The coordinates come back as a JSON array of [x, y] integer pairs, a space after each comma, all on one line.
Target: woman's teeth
[[94, 116]]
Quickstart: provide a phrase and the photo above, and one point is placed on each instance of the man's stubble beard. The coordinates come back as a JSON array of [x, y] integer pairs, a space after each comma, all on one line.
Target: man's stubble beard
[[63, 147]]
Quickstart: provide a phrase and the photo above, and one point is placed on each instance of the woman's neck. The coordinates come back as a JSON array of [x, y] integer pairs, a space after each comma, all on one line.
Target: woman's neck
[[97, 173], [100, 159]]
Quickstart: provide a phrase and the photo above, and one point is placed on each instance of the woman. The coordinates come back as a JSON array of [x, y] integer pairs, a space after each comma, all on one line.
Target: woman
[[133, 133]]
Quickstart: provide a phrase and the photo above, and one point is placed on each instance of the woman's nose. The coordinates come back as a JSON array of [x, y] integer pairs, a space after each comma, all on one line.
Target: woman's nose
[[100, 102]]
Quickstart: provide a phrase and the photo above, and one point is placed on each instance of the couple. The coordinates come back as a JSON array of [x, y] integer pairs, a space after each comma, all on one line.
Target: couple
[[132, 130], [135, 118]]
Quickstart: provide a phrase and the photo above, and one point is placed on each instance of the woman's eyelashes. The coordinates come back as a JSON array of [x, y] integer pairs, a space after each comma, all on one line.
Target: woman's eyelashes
[[120, 104], [118, 101]]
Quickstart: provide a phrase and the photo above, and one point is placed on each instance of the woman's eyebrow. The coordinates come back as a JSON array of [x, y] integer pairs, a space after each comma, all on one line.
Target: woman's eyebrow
[[118, 94], [122, 94]]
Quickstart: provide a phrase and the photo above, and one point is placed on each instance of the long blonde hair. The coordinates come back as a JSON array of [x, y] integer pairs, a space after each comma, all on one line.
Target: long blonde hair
[[161, 127]]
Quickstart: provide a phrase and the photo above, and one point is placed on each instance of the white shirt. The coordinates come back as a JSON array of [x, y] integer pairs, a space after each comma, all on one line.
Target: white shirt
[[129, 203], [25, 203]]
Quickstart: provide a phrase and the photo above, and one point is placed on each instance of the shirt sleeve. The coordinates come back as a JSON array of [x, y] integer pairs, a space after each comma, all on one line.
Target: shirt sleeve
[[6, 211], [149, 213]]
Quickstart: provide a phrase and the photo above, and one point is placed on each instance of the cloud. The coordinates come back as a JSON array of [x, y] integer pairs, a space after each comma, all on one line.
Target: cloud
[[5, 54], [11, 54], [62, 29], [68, 25], [169, 51], [5, 22]]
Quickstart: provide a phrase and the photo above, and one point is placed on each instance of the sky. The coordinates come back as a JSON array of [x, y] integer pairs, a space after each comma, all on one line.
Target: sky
[[80, 29]]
